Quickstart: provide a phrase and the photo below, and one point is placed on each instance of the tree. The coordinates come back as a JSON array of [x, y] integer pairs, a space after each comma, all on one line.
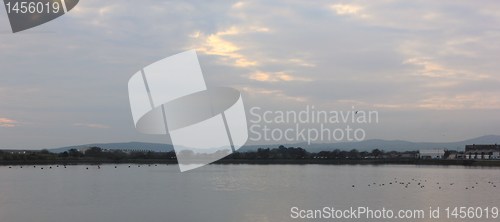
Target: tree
[[300, 153], [353, 154], [94, 152], [377, 153], [335, 154], [263, 153], [64, 154], [363, 154], [117, 155], [75, 153]]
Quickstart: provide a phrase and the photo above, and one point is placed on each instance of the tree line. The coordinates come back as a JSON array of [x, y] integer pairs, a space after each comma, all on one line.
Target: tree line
[[281, 153]]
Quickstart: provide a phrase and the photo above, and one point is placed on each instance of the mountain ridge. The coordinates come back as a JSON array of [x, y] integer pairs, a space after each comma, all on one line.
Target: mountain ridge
[[366, 145]]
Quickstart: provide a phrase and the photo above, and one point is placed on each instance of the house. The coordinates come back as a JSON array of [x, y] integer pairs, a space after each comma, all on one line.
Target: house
[[459, 155], [19, 151], [452, 155], [482, 151]]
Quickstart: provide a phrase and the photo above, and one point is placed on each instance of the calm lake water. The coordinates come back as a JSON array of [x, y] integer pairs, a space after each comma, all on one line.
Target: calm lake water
[[234, 192]]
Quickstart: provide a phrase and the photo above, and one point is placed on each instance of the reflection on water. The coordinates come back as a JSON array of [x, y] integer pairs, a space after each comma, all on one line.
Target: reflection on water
[[233, 192]]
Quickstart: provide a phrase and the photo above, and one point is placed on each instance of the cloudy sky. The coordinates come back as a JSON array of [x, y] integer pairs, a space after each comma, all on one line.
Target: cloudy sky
[[430, 68]]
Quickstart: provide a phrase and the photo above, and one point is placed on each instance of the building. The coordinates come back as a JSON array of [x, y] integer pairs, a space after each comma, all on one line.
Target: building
[[431, 154], [482, 151]]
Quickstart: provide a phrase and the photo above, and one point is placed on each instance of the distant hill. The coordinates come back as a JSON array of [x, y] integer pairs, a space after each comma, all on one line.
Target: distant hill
[[156, 147], [367, 145], [400, 145]]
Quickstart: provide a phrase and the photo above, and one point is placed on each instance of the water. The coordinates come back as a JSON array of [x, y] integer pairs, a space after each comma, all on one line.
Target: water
[[233, 192]]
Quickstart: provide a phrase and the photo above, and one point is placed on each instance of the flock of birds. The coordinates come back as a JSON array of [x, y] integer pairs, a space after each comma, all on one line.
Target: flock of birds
[[65, 166], [423, 183], [419, 183]]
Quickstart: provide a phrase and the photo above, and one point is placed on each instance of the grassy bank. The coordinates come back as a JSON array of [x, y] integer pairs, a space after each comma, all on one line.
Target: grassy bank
[[491, 163]]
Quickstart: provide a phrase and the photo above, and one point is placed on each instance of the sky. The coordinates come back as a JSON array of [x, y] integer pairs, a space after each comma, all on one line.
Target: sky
[[429, 68]]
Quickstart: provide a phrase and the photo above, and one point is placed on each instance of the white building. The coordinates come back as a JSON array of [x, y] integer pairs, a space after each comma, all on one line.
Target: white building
[[496, 155], [431, 154]]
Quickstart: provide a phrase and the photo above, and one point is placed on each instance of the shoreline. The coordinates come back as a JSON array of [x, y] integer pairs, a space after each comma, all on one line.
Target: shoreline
[[487, 163]]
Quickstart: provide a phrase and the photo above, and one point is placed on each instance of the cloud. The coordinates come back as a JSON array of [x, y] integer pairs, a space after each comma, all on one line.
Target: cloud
[[239, 5], [461, 101], [229, 52], [388, 106], [92, 125], [6, 122], [272, 94], [301, 62], [429, 68], [274, 77], [349, 9]]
